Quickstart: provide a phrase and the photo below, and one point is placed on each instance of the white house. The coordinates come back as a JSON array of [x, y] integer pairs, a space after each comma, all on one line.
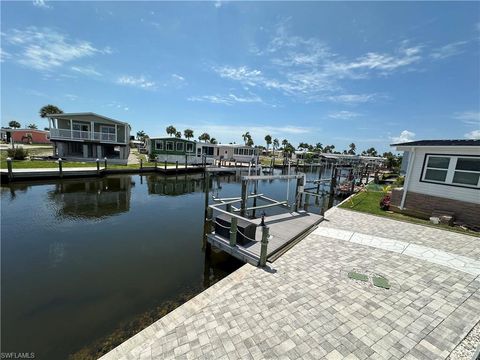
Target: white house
[[236, 152], [440, 176], [88, 136]]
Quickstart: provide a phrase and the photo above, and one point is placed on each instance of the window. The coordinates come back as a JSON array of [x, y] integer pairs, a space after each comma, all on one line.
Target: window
[[169, 145], [467, 171], [179, 146], [437, 168], [159, 145], [452, 170], [189, 147]]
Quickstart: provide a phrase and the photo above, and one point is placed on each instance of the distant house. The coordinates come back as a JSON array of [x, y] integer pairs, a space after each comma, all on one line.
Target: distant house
[[171, 149], [88, 136], [441, 176], [26, 136], [236, 152]]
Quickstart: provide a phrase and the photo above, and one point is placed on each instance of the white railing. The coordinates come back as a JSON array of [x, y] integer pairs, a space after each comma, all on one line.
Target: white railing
[[81, 135]]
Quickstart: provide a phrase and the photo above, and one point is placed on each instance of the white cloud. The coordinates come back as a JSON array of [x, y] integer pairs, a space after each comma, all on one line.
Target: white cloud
[[41, 4], [405, 136], [71, 97], [47, 49], [343, 115], [468, 117], [217, 4], [4, 55], [86, 70], [353, 98], [448, 50], [474, 135], [178, 77], [140, 82], [383, 63], [307, 69], [229, 99]]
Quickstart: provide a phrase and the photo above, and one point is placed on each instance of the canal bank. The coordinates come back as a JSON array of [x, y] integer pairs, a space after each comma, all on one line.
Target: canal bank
[[338, 293]]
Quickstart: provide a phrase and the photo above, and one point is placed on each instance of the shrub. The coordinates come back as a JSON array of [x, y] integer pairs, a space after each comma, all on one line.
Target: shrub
[[399, 181], [18, 153]]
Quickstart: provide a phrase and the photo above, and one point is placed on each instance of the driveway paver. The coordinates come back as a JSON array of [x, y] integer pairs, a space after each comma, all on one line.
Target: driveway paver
[[305, 306]]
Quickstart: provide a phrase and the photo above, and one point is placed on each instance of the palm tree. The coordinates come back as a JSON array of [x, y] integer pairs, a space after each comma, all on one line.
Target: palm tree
[[204, 137], [276, 144], [48, 110], [246, 136], [268, 140], [284, 142], [171, 130], [249, 141], [188, 133], [213, 141], [318, 147], [32, 126], [178, 134], [352, 149], [140, 135], [14, 124]]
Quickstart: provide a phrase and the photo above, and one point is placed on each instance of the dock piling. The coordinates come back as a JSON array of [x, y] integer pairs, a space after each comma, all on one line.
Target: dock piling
[[98, 166], [263, 249], [233, 231], [105, 163], [176, 166], [141, 164], [60, 167], [9, 167], [165, 165]]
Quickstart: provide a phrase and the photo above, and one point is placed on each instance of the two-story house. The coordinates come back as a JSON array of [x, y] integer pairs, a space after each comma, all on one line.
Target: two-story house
[[89, 136]]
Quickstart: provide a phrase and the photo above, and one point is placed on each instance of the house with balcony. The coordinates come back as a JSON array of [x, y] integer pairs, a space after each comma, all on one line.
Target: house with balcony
[[89, 136]]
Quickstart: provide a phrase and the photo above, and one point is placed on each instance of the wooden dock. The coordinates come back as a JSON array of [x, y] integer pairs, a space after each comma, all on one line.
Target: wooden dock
[[284, 230], [79, 172]]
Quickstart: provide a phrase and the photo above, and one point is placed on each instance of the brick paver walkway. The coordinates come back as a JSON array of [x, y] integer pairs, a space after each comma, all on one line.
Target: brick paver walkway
[[305, 306]]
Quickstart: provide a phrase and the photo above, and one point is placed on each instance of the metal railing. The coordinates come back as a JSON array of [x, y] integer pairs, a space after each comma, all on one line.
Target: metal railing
[[82, 135], [233, 229]]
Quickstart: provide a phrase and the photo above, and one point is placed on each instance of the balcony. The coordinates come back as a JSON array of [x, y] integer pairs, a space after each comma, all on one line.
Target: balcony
[[82, 135]]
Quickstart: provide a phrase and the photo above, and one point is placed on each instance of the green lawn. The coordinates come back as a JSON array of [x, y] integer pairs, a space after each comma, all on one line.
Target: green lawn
[[369, 202]]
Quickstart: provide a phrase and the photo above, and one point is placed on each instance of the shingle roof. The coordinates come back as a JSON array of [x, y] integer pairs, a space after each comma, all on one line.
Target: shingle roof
[[439, 143]]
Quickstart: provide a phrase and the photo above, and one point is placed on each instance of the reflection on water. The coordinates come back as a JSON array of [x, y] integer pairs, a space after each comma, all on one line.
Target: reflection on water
[[93, 198], [81, 257]]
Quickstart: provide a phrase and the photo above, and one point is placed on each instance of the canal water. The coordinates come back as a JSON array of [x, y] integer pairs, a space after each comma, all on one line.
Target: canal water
[[82, 258]]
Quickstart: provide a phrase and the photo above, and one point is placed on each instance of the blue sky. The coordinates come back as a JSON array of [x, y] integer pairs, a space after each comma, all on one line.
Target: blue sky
[[372, 73]]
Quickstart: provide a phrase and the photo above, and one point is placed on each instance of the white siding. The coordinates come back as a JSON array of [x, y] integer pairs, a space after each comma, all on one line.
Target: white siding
[[445, 191]]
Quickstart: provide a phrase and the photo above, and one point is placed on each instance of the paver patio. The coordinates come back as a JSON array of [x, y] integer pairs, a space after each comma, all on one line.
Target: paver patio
[[306, 306]]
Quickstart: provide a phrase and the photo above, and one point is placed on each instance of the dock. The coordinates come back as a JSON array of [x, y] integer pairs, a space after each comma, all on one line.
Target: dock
[[236, 230], [284, 231], [79, 172]]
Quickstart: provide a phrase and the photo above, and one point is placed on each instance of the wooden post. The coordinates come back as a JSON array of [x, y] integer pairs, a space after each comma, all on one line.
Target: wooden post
[[307, 202], [60, 167], [243, 205], [9, 167], [233, 231], [165, 165], [98, 166], [156, 165], [105, 163], [333, 184], [255, 191], [176, 166], [298, 193], [141, 164], [264, 245], [186, 161], [229, 207]]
